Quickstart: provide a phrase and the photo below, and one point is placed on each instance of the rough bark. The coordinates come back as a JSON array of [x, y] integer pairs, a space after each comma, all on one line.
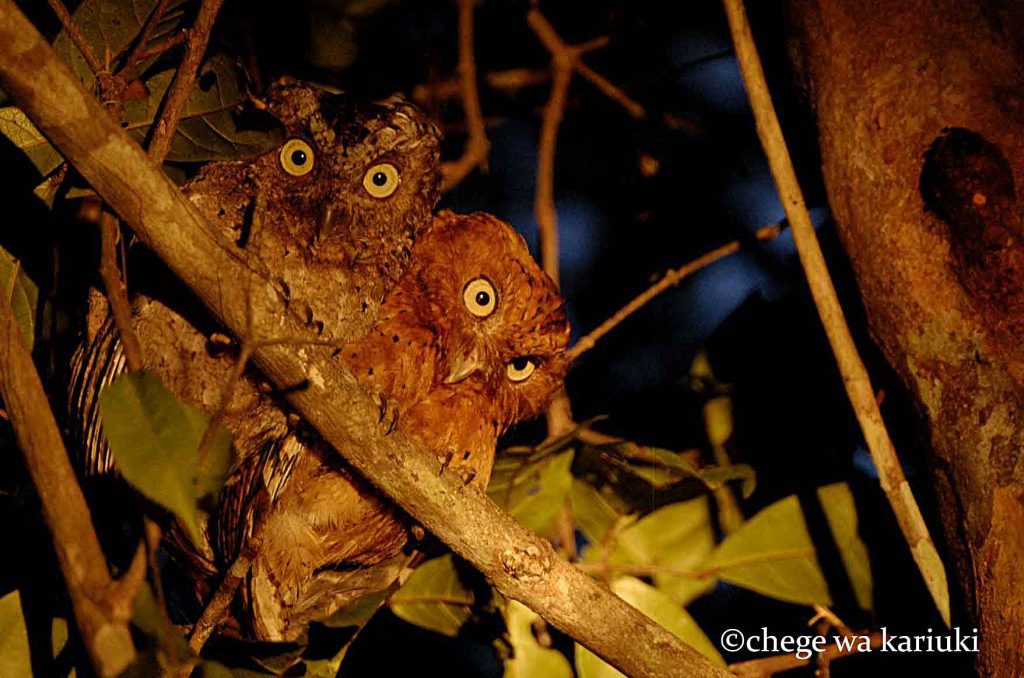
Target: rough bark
[[920, 109], [521, 565]]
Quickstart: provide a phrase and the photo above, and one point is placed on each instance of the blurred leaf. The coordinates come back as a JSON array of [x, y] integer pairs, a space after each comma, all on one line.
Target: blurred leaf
[[358, 613], [434, 598], [16, 126], [718, 420], [15, 659], [150, 618], [556, 444], [676, 537], [594, 512], [59, 644], [662, 610], [326, 668], [22, 294], [155, 438], [772, 554], [333, 30], [841, 514], [668, 467], [717, 476], [210, 669], [530, 658], [533, 493]]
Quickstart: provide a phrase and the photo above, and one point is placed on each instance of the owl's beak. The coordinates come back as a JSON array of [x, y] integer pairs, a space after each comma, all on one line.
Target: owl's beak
[[461, 367]]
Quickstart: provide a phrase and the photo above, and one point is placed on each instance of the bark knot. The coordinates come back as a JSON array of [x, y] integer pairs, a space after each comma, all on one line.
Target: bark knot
[[528, 564]]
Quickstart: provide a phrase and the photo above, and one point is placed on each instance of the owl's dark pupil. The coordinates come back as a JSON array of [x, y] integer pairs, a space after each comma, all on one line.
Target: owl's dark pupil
[[520, 363], [379, 179], [482, 298], [298, 158]]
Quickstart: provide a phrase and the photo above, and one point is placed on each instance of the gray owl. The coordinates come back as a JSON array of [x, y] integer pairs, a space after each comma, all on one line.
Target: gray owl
[[332, 212]]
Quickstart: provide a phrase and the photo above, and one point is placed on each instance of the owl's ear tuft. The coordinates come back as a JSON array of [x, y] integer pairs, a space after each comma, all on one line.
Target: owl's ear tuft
[[292, 101]]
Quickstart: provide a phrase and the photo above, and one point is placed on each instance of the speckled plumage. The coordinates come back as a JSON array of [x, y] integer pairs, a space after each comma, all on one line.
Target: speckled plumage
[[334, 247], [328, 538]]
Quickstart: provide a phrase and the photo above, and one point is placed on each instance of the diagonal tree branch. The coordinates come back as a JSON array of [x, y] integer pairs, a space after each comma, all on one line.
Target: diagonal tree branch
[[101, 612], [520, 564], [851, 367]]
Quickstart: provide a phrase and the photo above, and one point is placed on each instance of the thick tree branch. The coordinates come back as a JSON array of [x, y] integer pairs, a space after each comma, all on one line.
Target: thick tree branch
[[521, 565], [851, 367], [100, 609]]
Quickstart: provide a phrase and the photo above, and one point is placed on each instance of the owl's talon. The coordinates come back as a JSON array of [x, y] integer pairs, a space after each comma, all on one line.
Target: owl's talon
[[388, 417], [469, 477], [449, 455]]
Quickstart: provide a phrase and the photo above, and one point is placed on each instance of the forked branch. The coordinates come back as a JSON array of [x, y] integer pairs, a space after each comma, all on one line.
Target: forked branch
[[520, 564]]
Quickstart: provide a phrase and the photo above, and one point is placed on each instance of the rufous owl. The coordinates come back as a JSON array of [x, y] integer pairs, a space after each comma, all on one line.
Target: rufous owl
[[468, 342], [331, 211]]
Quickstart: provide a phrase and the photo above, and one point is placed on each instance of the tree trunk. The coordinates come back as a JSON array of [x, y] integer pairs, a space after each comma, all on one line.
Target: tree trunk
[[920, 108]]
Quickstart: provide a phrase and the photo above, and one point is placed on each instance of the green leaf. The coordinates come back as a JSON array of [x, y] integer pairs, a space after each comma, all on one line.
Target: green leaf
[[22, 294], [841, 514], [659, 608], [208, 129], [210, 669], [594, 512], [109, 26], [149, 617], [665, 467], [530, 658], [15, 659], [358, 613], [678, 537], [16, 126], [434, 598], [58, 645], [533, 493], [772, 554], [155, 439]]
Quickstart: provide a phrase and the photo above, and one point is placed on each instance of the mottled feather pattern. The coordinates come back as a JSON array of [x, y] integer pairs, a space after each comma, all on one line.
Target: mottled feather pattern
[[329, 539], [353, 242]]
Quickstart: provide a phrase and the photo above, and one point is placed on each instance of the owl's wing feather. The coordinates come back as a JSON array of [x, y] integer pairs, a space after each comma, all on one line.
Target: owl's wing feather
[[94, 365]]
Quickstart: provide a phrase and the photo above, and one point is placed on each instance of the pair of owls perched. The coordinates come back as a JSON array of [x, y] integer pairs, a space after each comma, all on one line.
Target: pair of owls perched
[[445, 318]]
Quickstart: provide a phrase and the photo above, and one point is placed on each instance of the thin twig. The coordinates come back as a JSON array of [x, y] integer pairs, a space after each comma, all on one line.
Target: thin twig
[[851, 367], [164, 45], [611, 90], [181, 87], [559, 412], [117, 293], [77, 37], [669, 280], [139, 52], [477, 146]]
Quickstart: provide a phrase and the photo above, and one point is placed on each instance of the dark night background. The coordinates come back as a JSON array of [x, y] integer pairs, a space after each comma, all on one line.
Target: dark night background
[[620, 229]]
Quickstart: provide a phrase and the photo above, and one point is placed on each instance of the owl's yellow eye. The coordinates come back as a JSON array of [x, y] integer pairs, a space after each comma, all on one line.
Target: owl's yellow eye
[[296, 158], [381, 180], [520, 369], [479, 297]]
